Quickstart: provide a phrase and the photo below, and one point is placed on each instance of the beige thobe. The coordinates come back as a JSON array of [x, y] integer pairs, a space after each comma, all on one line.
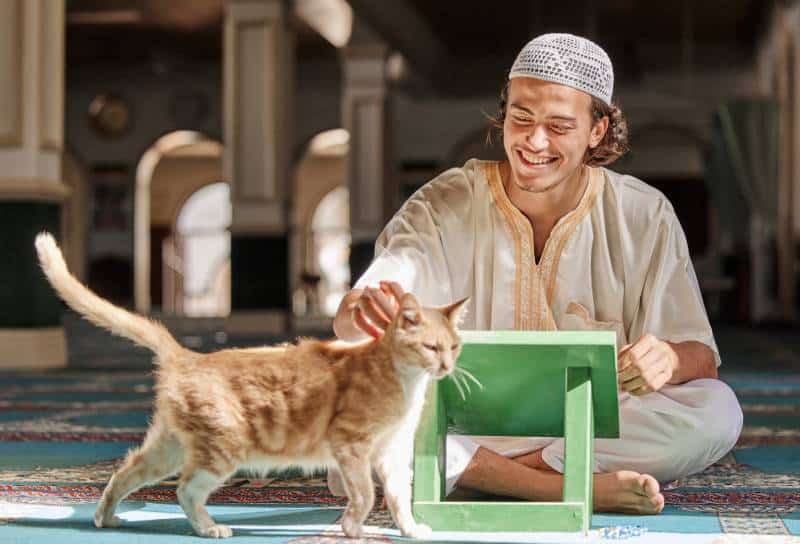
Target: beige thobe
[[619, 261]]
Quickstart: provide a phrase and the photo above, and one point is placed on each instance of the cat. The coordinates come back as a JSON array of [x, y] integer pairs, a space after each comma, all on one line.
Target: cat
[[316, 404]]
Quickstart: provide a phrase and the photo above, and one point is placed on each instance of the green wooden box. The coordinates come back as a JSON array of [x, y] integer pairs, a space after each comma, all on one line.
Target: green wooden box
[[535, 383]]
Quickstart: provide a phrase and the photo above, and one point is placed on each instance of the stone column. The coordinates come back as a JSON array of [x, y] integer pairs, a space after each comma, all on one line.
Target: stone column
[[258, 88], [31, 188], [365, 114]]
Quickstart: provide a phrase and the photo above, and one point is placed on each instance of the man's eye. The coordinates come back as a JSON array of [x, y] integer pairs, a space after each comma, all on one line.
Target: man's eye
[[561, 129], [519, 119]]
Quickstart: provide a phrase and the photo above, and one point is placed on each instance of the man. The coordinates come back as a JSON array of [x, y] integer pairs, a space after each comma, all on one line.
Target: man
[[548, 240]]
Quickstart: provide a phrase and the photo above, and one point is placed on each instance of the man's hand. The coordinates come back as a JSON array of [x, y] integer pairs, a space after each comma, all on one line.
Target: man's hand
[[376, 307], [646, 365], [369, 310]]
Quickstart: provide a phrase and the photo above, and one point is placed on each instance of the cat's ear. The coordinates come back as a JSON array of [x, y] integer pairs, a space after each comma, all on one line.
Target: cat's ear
[[410, 311], [456, 311]]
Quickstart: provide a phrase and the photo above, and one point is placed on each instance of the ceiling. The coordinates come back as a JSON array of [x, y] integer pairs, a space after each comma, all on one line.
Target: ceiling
[[445, 41]]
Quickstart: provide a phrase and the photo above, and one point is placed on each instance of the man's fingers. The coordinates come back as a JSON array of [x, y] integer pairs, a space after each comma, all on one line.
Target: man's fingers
[[395, 289], [373, 312], [623, 361], [634, 384], [643, 390], [364, 324], [383, 302], [628, 373]]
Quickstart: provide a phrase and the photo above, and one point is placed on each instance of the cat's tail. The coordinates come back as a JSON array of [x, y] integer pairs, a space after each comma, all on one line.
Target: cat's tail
[[101, 312]]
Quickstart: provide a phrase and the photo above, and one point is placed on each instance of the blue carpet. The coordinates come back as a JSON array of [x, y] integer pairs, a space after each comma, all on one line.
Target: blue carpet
[[32, 455], [148, 523], [52, 457]]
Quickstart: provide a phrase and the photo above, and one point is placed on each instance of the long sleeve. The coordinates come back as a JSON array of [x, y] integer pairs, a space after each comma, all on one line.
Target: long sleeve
[[427, 246]]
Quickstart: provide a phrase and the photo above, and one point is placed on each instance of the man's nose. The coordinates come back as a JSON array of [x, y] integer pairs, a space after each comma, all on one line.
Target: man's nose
[[537, 138]]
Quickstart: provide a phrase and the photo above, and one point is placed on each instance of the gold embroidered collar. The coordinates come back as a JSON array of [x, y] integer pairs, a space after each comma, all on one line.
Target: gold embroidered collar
[[535, 284]]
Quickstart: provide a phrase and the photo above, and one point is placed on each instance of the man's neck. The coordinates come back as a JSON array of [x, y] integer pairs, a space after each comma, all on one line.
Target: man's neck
[[544, 209]]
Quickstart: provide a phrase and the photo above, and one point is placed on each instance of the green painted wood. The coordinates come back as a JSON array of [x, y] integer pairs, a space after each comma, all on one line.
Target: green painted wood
[[523, 375], [429, 450], [501, 516], [578, 440], [23, 286], [533, 381]]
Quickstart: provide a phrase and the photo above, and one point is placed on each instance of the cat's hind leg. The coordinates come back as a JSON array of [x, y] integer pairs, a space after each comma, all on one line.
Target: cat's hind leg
[[160, 456], [195, 486]]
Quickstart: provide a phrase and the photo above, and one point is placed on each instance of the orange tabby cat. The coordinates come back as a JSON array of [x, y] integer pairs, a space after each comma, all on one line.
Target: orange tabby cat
[[315, 404]]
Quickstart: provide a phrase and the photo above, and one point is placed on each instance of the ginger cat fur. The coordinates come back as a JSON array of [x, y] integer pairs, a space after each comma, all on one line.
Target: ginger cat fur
[[317, 404]]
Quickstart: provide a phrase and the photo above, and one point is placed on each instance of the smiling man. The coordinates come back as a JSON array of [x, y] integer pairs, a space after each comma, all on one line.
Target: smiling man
[[550, 239]]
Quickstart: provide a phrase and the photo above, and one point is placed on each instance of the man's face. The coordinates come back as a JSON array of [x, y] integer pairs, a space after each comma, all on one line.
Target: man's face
[[547, 130]]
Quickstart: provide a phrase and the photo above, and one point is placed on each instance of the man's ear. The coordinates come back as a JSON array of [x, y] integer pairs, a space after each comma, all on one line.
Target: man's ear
[[598, 131], [455, 312]]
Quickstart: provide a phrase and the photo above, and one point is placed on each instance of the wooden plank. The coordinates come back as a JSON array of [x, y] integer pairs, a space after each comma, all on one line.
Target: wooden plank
[[523, 374], [578, 438], [501, 516], [429, 444]]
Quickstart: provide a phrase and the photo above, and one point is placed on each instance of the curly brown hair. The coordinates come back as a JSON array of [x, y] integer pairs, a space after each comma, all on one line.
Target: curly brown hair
[[613, 145]]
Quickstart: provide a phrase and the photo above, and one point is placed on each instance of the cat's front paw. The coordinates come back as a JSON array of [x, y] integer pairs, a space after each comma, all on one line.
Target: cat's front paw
[[352, 528], [100, 522], [418, 531], [216, 531]]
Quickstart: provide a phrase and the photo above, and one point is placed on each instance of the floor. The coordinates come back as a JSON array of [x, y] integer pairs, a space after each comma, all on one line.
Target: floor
[[62, 433]]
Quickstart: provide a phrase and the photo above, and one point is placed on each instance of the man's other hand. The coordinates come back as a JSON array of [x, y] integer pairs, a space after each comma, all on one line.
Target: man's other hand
[[646, 365]]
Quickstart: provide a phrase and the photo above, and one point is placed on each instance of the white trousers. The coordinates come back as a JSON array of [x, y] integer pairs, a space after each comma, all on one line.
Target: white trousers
[[677, 431]]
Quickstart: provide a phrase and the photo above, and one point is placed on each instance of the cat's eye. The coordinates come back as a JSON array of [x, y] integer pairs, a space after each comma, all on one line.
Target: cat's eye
[[454, 347], [430, 347]]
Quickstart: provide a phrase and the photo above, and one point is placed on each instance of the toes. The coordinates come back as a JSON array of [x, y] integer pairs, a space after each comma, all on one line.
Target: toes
[[659, 503], [649, 485]]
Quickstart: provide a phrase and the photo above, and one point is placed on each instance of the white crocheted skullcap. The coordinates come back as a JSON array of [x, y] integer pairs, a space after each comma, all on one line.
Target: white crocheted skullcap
[[569, 60]]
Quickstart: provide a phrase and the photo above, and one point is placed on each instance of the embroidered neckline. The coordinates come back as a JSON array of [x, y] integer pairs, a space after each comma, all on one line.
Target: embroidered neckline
[[531, 299]]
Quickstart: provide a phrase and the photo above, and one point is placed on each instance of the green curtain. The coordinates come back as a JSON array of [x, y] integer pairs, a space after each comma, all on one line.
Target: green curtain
[[742, 165]]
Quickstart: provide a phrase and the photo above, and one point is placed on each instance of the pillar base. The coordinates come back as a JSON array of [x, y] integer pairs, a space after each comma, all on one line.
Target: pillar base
[[33, 349]]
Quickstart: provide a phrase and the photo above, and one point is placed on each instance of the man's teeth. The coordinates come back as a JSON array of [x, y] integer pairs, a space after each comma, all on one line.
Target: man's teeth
[[536, 160]]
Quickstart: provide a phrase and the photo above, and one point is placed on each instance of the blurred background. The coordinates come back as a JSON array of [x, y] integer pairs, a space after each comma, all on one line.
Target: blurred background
[[227, 165]]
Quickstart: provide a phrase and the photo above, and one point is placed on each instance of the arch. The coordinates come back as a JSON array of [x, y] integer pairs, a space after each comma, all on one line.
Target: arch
[[177, 144], [321, 170], [203, 240], [330, 236]]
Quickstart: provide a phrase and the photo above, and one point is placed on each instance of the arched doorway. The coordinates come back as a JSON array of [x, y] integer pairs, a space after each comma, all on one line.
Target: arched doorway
[[330, 240], [320, 216], [172, 169], [197, 256]]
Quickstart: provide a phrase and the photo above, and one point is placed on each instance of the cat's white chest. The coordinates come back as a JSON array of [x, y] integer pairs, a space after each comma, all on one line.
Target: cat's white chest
[[414, 382]]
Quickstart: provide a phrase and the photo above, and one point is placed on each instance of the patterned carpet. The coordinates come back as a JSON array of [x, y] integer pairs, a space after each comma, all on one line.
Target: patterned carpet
[[63, 433]]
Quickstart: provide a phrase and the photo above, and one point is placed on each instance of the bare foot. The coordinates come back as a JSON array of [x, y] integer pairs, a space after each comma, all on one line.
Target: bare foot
[[627, 492]]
